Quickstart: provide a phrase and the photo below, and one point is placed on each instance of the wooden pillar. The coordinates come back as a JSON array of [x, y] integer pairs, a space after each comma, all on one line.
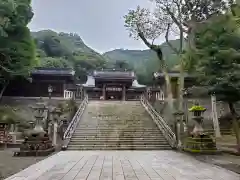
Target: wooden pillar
[[104, 92], [124, 93]]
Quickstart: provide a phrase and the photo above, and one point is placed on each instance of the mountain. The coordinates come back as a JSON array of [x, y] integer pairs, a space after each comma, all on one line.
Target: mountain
[[139, 58], [66, 50]]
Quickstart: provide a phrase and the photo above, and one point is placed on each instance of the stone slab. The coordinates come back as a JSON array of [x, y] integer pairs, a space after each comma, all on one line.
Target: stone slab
[[123, 165]]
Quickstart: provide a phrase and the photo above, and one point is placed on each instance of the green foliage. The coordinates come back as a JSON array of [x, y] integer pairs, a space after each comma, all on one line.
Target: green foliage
[[17, 48], [55, 62], [8, 115], [7, 10], [66, 50], [217, 57]]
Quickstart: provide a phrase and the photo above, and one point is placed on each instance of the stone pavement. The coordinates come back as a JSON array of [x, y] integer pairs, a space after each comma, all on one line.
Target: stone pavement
[[123, 165]]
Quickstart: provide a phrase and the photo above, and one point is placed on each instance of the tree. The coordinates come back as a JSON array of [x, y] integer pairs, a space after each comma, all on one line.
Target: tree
[[140, 25], [120, 64], [17, 49], [180, 16], [55, 62], [217, 61], [7, 9]]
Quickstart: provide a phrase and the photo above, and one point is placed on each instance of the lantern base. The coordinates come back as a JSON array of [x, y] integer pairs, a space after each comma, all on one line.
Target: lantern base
[[200, 144], [37, 143]]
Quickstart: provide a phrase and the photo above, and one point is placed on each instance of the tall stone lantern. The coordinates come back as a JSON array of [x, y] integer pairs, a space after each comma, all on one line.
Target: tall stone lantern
[[56, 113], [37, 142], [39, 109], [197, 111]]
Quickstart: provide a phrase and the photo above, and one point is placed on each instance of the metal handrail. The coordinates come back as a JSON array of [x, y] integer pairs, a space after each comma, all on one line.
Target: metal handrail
[[73, 124], [162, 125]]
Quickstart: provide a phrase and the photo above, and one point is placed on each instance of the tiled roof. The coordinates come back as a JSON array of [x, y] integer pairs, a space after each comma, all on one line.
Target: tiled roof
[[54, 71], [114, 74]]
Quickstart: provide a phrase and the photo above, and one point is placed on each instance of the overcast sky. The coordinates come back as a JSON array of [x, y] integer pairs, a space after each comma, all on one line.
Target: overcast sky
[[100, 23]]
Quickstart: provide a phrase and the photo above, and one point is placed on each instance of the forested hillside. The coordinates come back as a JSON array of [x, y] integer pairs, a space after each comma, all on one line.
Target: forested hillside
[[141, 57], [66, 50], [144, 62]]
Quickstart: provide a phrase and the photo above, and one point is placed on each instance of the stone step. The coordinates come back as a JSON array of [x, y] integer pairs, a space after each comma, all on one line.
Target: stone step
[[113, 134], [119, 130], [123, 147], [99, 136], [118, 144], [118, 139], [111, 128]]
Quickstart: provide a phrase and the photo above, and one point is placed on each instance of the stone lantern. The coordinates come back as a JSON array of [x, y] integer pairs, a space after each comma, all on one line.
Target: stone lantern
[[197, 111], [199, 142], [39, 109], [56, 115], [37, 142]]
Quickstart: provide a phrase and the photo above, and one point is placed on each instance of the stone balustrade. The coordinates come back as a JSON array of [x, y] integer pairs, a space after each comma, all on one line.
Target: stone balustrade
[[162, 125]]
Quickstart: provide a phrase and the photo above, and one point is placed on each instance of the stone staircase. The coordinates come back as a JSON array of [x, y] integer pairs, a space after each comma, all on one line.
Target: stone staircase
[[117, 125]]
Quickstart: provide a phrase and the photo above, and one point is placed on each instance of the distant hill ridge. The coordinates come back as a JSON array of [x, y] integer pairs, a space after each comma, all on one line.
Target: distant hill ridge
[[138, 57]]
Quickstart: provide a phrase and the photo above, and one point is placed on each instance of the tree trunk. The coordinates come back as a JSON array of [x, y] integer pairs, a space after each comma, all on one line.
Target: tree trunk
[[181, 85], [3, 89], [180, 92], [235, 124]]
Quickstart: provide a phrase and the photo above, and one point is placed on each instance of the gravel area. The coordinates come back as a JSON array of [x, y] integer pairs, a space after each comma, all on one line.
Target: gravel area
[[10, 165]]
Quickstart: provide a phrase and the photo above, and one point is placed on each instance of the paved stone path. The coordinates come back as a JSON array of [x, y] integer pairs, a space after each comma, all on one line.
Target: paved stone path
[[123, 165]]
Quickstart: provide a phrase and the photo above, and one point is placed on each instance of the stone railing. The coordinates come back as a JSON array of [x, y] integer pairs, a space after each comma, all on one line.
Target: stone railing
[[162, 125], [73, 124]]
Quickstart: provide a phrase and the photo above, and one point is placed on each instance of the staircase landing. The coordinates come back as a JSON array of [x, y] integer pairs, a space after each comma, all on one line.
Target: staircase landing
[[122, 165]]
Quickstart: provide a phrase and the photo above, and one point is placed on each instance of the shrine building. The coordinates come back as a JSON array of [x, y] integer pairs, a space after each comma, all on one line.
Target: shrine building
[[113, 85]]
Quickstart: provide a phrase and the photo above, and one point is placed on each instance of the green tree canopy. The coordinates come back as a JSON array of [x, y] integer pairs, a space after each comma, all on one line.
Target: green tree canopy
[[17, 49], [216, 61]]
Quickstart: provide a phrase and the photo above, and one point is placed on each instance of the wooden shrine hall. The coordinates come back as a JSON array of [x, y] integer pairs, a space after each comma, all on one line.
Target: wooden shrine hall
[[104, 84], [113, 85]]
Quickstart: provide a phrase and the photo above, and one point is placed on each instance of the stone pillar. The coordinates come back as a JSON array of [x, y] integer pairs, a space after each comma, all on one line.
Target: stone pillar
[[49, 129], [179, 134], [124, 93], [215, 117], [16, 128], [12, 128], [104, 92], [54, 140]]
